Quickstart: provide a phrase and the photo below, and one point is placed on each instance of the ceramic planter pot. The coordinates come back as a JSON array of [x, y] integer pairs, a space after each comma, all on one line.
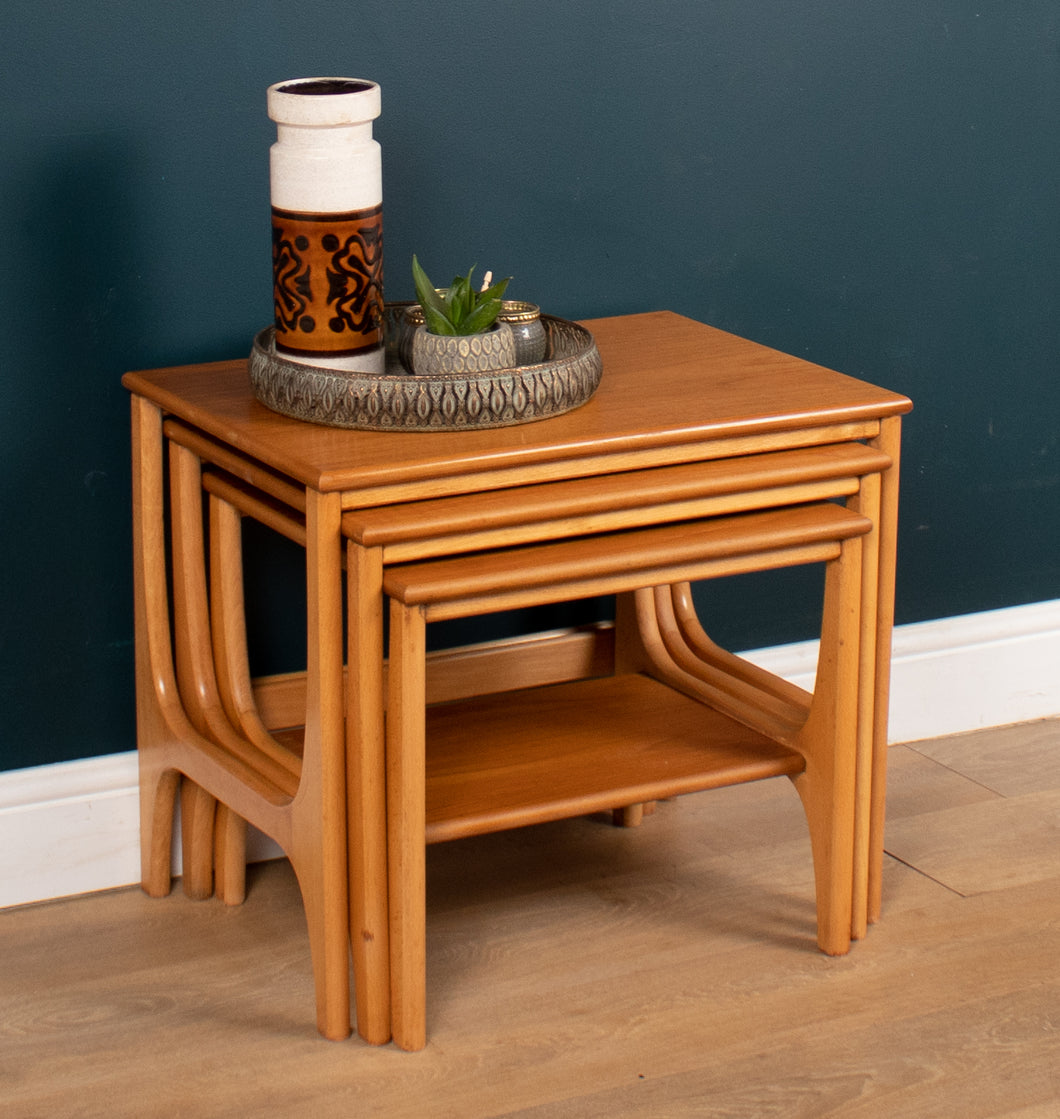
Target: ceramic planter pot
[[327, 223], [528, 331], [434, 354]]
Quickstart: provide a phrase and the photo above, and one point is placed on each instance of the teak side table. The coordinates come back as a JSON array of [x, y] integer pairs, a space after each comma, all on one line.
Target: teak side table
[[657, 480]]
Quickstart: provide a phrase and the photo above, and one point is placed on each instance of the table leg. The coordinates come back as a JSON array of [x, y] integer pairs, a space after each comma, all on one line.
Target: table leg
[[406, 793], [157, 704], [890, 442], [198, 813], [194, 662], [207, 665], [318, 827], [230, 856], [366, 793], [743, 691], [825, 732], [186, 730], [229, 641], [866, 502], [828, 742], [228, 638]]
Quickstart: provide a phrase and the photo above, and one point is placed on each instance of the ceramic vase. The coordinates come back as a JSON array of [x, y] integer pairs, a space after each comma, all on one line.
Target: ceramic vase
[[325, 174]]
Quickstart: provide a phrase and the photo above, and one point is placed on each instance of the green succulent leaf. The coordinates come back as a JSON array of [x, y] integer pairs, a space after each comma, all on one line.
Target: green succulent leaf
[[459, 309], [437, 323], [483, 317], [496, 291], [459, 299], [434, 307]]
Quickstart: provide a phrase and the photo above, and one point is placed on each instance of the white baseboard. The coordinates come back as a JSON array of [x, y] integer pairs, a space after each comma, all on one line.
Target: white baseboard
[[958, 674], [73, 827]]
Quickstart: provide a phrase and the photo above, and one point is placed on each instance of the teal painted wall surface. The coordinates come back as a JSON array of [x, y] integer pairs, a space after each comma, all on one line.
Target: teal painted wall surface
[[875, 187]]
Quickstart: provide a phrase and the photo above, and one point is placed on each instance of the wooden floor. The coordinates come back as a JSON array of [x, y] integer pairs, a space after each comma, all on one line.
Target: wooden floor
[[581, 970]]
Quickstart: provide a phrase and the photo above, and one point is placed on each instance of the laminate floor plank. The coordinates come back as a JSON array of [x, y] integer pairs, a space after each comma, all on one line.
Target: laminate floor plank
[[987, 846], [916, 784], [580, 970], [987, 756]]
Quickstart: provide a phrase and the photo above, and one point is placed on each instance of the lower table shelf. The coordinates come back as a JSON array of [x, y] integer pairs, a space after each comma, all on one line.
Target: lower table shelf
[[518, 758]]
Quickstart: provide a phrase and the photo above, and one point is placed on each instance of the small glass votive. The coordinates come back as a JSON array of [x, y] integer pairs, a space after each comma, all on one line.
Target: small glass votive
[[531, 340]]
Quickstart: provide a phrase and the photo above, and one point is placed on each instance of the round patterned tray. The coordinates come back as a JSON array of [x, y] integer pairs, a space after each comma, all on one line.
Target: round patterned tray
[[401, 401]]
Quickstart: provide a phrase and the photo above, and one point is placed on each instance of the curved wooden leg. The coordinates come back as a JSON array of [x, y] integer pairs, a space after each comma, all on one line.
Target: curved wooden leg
[[210, 630], [186, 725], [649, 640], [827, 737], [330, 957], [158, 803], [318, 843], [197, 809], [155, 683], [723, 665], [742, 691], [228, 638], [230, 856], [828, 741]]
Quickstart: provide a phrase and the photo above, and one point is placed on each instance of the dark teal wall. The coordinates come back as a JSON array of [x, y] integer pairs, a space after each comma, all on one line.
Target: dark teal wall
[[872, 186]]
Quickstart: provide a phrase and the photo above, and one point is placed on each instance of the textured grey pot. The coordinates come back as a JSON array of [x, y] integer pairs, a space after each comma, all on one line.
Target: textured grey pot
[[434, 354]]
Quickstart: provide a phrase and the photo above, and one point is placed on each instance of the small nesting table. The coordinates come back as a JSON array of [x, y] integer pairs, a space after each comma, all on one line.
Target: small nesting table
[[701, 454]]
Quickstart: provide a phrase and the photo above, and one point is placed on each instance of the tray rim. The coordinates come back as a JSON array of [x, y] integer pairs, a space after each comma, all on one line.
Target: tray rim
[[396, 401]]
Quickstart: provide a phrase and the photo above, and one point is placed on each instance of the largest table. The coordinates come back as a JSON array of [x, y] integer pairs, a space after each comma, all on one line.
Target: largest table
[[674, 393]]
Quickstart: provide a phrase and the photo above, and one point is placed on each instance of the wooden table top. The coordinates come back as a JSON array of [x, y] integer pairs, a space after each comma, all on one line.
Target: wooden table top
[[668, 382]]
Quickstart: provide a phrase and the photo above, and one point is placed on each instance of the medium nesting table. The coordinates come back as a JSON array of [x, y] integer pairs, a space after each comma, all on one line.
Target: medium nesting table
[[701, 454]]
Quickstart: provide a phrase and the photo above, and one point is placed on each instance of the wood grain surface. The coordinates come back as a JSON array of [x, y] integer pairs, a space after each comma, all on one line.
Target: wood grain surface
[[581, 970], [668, 382]]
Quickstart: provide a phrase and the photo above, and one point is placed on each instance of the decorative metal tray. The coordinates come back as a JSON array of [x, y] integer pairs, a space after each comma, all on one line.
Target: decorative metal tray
[[398, 400]]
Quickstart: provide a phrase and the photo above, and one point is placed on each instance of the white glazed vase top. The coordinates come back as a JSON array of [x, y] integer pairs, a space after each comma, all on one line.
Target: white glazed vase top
[[326, 188]]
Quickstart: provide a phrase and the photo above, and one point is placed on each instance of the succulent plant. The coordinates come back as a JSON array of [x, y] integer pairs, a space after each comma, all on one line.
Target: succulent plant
[[459, 309]]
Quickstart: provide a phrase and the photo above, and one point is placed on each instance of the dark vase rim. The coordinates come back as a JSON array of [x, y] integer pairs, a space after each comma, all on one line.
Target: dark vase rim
[[326, 87]]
